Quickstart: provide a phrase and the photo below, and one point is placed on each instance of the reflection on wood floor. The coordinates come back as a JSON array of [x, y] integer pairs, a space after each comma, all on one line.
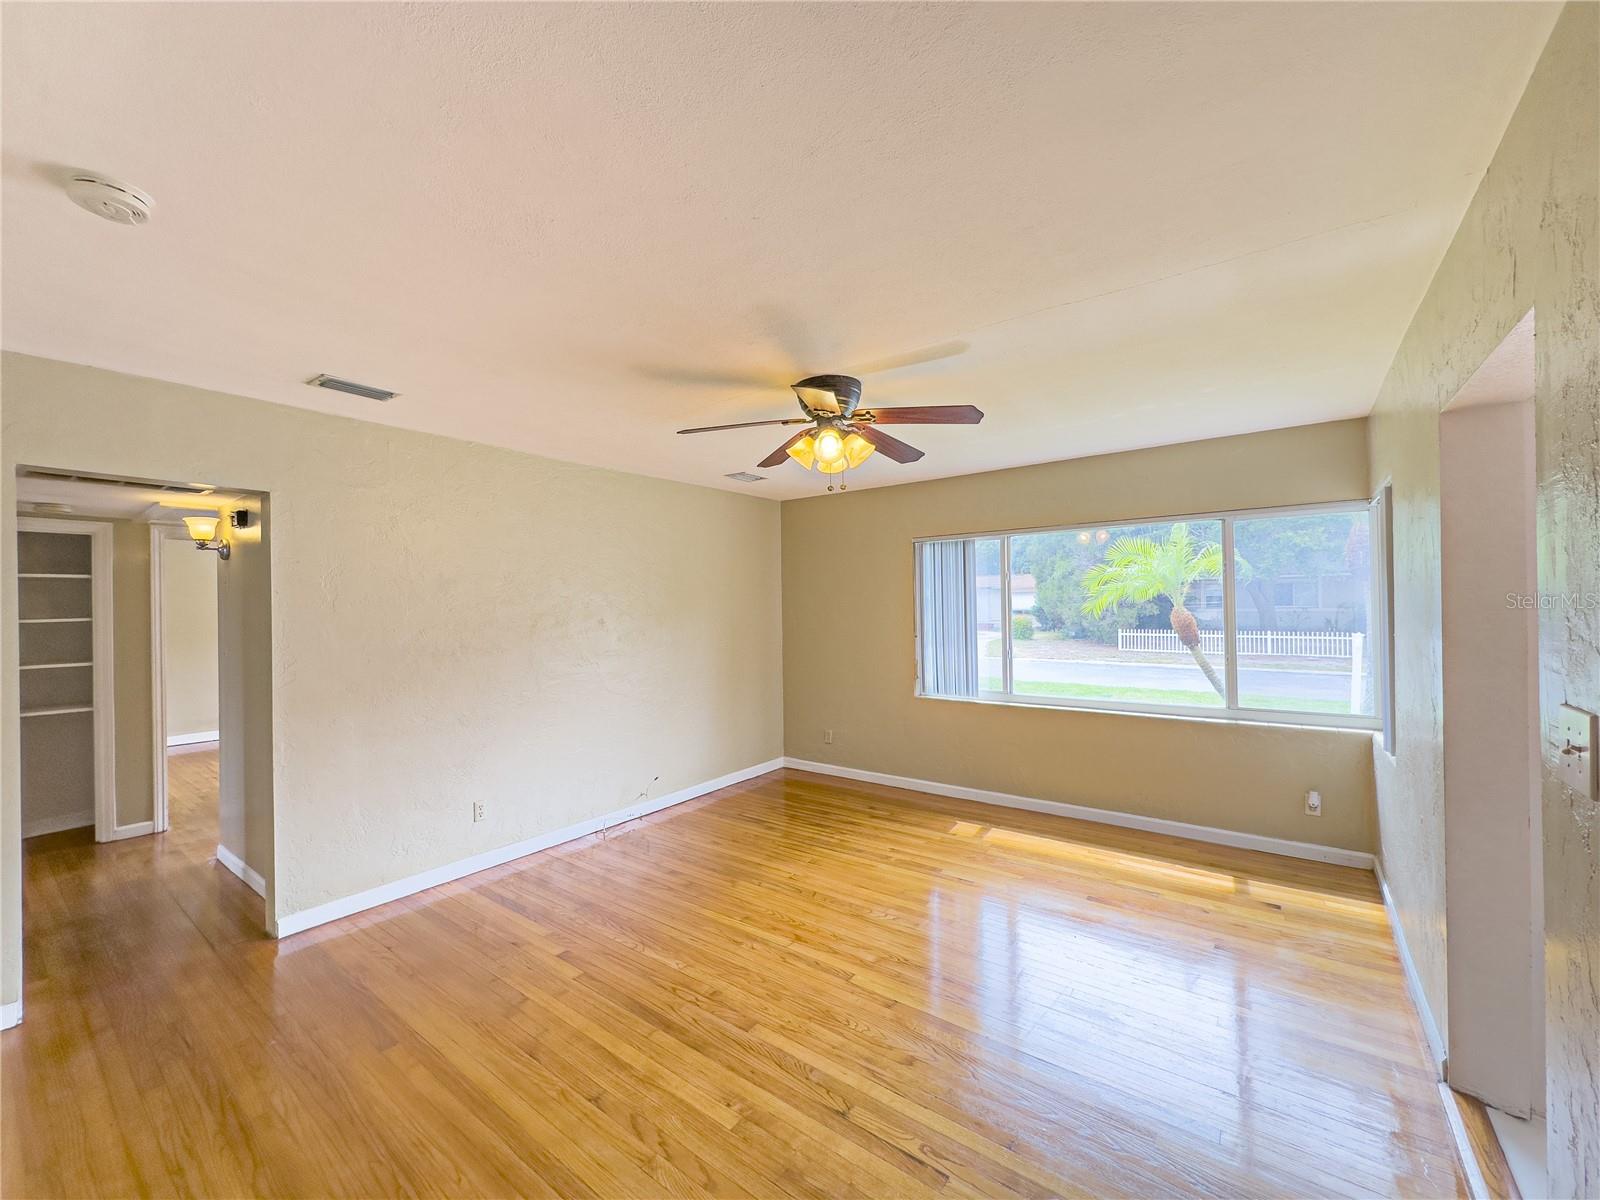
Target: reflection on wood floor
[[797, 986]]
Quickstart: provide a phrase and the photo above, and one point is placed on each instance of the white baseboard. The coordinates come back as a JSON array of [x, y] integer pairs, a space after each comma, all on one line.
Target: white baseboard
[[84, 821], [1477, 1186], [1103, 816], [242, 869], [130, 831], [10, 1014], [321, 914], [44, 825], [193, 739], [1419, 999]]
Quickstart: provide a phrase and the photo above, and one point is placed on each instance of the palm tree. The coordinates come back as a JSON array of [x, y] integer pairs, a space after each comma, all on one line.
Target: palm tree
[[1136, 569]]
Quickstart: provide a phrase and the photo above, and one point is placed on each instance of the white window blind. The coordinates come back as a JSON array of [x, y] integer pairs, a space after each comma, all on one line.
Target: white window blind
[[947, 618]]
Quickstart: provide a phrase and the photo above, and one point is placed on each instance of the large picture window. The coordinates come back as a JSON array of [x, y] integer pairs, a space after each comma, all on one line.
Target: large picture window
[[1267, 615]]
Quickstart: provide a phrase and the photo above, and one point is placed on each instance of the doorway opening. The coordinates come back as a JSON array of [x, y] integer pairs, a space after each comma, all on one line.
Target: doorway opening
[[185, 693], [145, 678]]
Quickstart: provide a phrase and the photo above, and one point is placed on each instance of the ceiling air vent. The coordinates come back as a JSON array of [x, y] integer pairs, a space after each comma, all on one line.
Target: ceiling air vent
[[745, 477], [333, 383]]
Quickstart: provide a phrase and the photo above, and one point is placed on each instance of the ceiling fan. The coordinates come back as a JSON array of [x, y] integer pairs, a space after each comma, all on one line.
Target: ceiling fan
[[842, 433]]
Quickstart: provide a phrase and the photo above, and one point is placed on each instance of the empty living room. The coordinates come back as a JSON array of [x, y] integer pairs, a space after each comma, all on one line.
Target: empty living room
[[624, 600]]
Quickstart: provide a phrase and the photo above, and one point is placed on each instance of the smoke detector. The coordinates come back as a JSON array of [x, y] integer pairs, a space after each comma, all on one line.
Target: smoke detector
[[119, 202]]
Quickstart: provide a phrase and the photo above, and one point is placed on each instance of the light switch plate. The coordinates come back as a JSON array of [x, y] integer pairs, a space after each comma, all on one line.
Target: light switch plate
[[1575, 750]]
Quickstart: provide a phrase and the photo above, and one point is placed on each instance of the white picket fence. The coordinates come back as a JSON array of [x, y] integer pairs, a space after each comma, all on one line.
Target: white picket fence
[[1295, 643]]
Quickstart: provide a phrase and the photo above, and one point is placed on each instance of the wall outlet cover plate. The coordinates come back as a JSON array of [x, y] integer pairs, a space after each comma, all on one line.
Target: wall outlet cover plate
[[1575, 750]]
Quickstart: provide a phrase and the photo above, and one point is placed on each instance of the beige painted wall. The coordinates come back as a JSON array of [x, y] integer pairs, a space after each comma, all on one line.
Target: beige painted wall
[[10, 738], [245, 781], [189, 637], [847, 568], [449, 622], [1528, 240], [134, 712]]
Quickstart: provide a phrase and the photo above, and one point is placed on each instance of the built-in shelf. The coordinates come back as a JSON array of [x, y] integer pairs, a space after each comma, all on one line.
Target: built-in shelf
[[64, 573]]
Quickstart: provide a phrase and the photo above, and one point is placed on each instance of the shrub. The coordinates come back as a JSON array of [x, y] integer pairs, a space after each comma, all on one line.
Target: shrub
[[1059, 606], [1021, 628]]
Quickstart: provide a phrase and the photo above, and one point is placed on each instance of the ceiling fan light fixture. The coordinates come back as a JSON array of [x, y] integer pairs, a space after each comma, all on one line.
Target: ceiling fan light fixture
[[844, 435], [804, 451], [829, 443], [857, 449]]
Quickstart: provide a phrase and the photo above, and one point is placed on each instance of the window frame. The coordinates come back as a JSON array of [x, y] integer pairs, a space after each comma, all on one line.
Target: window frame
[[1381, 506], [1379, 623]]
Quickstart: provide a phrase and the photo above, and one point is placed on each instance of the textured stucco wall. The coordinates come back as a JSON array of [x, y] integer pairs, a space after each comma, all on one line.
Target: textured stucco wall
[[849, 657], [1528, 241], [448, 621]]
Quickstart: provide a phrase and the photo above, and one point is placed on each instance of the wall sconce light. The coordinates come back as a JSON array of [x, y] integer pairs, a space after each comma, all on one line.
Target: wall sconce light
[[204, 532]]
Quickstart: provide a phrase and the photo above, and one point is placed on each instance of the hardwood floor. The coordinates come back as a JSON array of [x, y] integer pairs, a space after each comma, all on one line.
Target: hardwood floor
[[794, 987]]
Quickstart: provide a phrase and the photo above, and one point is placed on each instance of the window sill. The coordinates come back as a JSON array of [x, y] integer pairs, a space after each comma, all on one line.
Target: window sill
[[1362, 726]]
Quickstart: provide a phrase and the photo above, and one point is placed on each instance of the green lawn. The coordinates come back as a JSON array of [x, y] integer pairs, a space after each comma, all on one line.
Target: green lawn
[[1097, 691]]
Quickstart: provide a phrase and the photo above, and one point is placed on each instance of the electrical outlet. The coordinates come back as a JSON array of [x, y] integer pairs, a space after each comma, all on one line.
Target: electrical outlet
[[1313, 804], [477, 810], [827, 737]]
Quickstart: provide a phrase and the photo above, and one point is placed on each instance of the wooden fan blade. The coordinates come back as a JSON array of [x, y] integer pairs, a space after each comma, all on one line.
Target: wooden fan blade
[[892, 447], [747, 425], [777, 457], [931, 414]]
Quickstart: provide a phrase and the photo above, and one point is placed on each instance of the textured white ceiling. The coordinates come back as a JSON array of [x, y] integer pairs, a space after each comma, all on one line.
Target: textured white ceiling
[[572, 229]]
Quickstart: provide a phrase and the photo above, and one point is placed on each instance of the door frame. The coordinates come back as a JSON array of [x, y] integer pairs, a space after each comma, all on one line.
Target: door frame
[[162, 534], [102, 634]]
